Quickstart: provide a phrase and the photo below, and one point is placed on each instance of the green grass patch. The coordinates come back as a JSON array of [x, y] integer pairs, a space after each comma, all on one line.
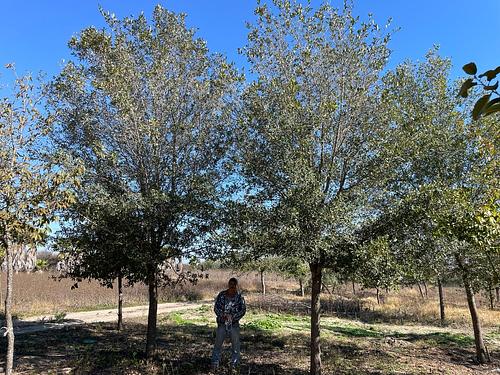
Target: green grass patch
[[275, 322], [270, 322], [446, 339], [177, 318]]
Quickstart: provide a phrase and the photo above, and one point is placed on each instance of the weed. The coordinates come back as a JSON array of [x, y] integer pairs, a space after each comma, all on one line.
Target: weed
[[59, 316], [177, 318], [270, 322]]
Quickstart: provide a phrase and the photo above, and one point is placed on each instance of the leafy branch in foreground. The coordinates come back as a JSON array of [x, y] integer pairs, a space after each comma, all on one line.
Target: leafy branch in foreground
[[490, 102]]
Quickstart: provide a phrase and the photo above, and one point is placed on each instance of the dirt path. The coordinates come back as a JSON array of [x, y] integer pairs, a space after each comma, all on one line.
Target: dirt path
[[47, 322]]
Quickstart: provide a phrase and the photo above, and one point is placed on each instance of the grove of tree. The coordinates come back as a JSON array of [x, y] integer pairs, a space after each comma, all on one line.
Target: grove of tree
[[322, 163]]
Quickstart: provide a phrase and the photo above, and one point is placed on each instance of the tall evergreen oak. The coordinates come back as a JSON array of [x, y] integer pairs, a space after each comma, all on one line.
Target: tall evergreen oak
[[148, 110], [308, 133]]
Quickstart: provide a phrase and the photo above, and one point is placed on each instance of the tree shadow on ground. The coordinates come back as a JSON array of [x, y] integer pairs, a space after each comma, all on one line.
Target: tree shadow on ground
[[87, 349], [445, 339], [436, 339], [185, 348], [258, 351], [100, 349], [456, 349]]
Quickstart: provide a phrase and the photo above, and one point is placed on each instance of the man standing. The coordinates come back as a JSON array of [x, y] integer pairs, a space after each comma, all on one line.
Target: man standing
[[229, 308]]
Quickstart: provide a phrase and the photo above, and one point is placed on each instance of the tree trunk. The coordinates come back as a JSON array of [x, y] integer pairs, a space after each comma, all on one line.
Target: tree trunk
[[441, 300], [120, 303], [316, 273], [324, 288], [482, 355], [491, 298], [420, 289], [152, 315], [262, 283], [425, 288], [353, 288], [301, 285], [497, 290], [378, 296], [8, 313]]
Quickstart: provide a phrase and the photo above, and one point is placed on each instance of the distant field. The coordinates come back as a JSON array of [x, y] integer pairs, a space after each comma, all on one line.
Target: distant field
[[40, 293]]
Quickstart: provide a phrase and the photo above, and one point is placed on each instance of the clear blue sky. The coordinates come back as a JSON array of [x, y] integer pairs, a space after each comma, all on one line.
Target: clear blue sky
[[34, 33]]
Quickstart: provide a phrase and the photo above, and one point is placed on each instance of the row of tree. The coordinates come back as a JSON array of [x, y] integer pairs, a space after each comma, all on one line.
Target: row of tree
[[152, 148]]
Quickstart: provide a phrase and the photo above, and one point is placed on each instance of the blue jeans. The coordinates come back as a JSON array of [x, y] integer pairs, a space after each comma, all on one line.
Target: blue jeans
[[221, 334]]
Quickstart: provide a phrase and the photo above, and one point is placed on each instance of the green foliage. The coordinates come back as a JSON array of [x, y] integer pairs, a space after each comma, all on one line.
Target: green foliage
[[354, 331], [146, 108], [41, 264], [308, 136], [428, 144], [177, 318], [59, 316], [377, 265], [474, 227], [32, 191], [293, 268], [446, 339], [148, 111], [100, 246]]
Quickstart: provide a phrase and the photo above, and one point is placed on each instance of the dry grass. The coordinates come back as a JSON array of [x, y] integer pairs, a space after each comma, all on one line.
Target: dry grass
[[39, 293], [407, 306]]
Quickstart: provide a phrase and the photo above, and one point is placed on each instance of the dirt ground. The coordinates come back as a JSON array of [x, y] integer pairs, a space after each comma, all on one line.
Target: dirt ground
[[39, 323], [273, 343]]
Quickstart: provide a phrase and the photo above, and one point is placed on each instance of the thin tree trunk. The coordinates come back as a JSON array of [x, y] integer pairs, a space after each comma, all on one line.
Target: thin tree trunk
[[353, 288], [120, 303], [316, 273], [262, 282], [425, 288], [497, 290], [420, 289], [491, 298], [482, 355], [1, 290], [324, 288], [301, 285], [8, 313], [378, 296], [152, 315], [441, 300]]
